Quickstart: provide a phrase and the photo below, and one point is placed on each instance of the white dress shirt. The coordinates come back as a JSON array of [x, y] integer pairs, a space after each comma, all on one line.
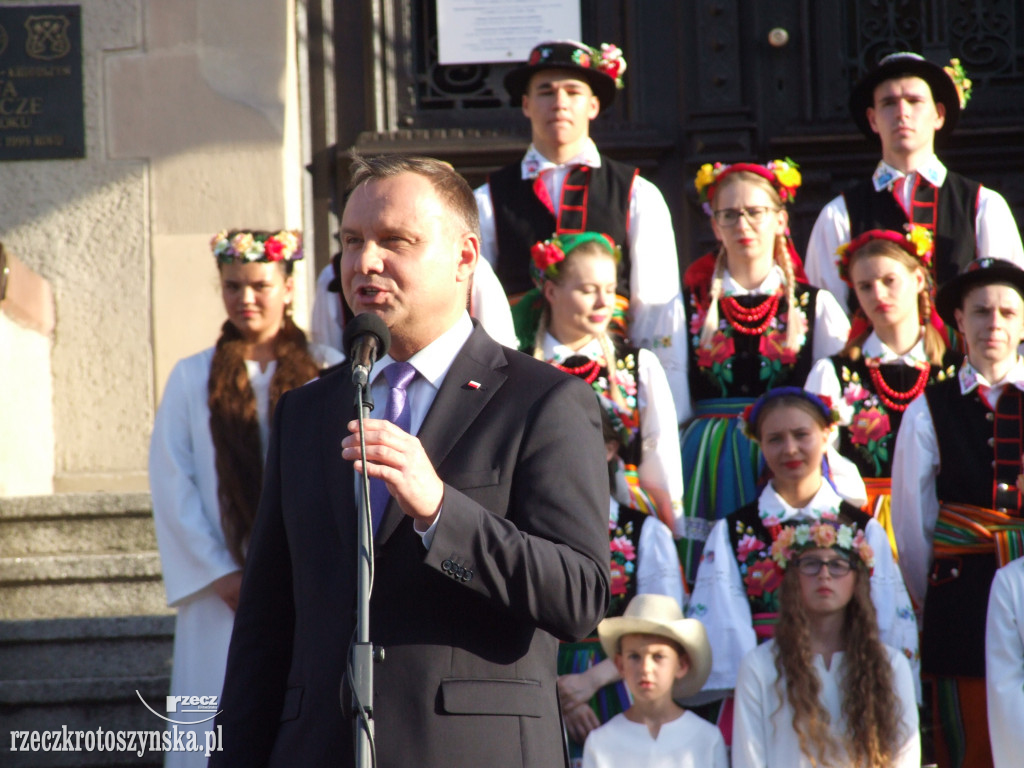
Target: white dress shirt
[[915, 467], [657, 321], [996, 230], [431, 364], [1004, 664]]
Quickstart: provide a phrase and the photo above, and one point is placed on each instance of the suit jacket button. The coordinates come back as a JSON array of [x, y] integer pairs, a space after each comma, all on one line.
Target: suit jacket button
[[459, 570], [446, 566], [469, 575]]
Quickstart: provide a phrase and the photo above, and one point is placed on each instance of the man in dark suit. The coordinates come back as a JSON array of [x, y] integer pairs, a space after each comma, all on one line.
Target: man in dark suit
[[492, 545]]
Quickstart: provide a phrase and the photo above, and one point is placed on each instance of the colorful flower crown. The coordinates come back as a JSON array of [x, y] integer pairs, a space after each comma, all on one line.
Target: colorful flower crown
[[821, 534], [248, 246], [917, 242], [749, 416], [546, 255], [783, 174], [959, 77]]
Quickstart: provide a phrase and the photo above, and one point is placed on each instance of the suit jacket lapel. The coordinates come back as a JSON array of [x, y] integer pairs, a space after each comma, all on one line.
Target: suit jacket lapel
[[339, 475], [456, 407]]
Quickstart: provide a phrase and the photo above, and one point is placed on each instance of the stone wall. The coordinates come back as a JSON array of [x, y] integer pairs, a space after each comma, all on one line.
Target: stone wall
[[191, 126]]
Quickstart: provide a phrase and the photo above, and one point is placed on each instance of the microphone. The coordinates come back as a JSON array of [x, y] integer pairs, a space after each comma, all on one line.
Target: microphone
[[366, 339]]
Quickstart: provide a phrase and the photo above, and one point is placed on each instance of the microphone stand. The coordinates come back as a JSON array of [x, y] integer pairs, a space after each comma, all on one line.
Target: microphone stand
[[360, 669]]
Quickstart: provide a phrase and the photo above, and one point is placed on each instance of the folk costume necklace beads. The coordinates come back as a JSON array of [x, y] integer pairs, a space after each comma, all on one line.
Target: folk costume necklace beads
[[587, 371], [743, 319], [891, 398]]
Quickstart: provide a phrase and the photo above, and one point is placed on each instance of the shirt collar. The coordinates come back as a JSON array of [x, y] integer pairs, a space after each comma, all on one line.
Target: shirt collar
[[534, 162], [559, 353], [885, 175], [971, 379], [771, 283], [433, 361], [875, 348], [772, 508]]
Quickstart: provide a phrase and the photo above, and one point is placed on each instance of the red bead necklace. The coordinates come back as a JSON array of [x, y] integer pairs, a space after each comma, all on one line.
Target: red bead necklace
[[588, 371], [740, 317], [891, 398]]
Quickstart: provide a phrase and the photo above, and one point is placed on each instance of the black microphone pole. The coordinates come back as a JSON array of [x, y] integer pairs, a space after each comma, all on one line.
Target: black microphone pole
[[366, 339]]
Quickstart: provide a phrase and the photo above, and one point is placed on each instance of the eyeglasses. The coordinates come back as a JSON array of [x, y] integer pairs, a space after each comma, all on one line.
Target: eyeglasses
[[730, 217], [811, 566]]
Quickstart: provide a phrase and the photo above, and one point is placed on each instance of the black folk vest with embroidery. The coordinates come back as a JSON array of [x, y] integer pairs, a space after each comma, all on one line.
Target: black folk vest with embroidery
[[870, 438], [979, 459], [746, 364], [593, 199], [951, 218]]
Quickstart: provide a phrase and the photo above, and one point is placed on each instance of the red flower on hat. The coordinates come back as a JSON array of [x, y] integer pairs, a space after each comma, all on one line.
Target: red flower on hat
[[546, 254]]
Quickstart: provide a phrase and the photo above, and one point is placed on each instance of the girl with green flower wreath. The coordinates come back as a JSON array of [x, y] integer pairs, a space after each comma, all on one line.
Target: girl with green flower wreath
[[825, 690], [895, 350], [736, 593], [208, 447], [752, 325], [576, 279]]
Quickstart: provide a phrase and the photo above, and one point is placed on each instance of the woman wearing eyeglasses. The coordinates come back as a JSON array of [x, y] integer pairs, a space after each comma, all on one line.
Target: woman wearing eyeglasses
[[753, 325], [736, 593], [825, 691]]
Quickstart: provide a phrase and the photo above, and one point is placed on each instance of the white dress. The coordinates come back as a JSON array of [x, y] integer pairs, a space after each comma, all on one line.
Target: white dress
[[686, 742], [763, 735], [193, 553], [719, 597], [1004, 664]]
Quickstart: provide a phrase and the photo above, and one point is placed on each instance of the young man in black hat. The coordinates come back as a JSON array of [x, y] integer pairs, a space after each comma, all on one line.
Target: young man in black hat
[[956, 497], [563, 184], [904, 105]]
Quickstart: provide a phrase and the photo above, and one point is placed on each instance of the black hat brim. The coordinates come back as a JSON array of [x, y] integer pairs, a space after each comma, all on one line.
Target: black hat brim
[[943, 92], [950, 296], [518, 80]]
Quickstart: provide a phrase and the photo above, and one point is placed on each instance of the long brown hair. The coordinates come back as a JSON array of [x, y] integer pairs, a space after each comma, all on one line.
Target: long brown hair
[[234, 422], [870, 703], [934, 344]]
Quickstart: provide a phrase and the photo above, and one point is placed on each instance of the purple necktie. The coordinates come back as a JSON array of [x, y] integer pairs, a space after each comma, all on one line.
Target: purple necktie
[[397, 411]]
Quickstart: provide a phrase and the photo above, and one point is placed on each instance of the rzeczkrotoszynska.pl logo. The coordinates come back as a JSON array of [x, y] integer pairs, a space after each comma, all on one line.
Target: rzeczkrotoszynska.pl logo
[[181, 705]]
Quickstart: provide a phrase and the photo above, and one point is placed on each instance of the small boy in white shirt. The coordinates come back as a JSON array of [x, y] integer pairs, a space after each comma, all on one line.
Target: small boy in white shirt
[[661, 657]]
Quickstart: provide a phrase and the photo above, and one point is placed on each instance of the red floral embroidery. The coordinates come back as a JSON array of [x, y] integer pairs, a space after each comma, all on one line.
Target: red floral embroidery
[[722, 348], [871, 424], [772, 347], [619, 578], [763, 576]]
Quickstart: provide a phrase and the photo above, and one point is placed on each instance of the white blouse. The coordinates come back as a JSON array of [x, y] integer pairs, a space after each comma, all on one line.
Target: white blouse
[[686, 742], [763, 735], [1004, 664], [719, 597]]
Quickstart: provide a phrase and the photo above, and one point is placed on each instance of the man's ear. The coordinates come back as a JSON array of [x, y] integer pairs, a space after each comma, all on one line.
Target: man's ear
[[870, 111]]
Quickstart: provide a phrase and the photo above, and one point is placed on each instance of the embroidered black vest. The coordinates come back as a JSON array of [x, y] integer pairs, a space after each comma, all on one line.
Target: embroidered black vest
[[593, 199], [742, 365], [869, 440], [954, 214], [625, 558], [979, 459], [627, 361], [761, 576]]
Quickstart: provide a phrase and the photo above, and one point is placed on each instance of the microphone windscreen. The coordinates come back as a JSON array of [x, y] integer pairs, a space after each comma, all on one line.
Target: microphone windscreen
[[363, 324]]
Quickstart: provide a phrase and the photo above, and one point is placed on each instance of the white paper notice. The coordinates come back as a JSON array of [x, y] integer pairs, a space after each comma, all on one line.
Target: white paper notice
[[481, 31]]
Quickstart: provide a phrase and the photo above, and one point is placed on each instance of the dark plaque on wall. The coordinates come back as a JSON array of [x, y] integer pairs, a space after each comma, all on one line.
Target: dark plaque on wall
[[42, 114]]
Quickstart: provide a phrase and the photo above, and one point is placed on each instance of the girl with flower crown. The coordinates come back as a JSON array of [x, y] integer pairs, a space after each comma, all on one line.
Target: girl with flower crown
[[895, 350], [752, 326], [576, 279], [736, 593], [207, 450], [825, 690]]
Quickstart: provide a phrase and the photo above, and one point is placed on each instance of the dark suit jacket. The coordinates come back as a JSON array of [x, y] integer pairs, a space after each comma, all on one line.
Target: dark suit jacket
[[469, 628]]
